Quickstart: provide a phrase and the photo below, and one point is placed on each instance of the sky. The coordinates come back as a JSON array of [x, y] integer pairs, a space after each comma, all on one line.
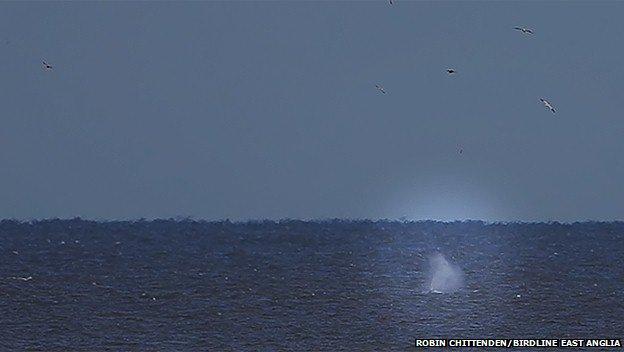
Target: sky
[[268, 110]]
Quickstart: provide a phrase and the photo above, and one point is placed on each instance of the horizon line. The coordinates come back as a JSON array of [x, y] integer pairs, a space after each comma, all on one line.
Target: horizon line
[[183, 219]]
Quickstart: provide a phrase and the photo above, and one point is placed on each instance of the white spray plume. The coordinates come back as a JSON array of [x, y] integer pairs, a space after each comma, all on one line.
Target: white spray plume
[[444, 277]]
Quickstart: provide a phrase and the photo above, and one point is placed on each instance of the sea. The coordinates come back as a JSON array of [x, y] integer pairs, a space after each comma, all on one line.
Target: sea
[[291, 285]]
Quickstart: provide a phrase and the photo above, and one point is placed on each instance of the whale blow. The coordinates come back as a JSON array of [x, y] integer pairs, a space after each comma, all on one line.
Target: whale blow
[[444, 276]]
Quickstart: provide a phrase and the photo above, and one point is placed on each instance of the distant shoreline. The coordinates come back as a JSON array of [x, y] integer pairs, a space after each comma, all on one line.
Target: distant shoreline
[[344, 221]]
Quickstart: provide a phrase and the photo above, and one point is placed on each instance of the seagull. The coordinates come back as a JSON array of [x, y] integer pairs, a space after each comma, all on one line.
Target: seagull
[[450, 71], [460, 150], [22, 278], [547, 105], [391, 2], [381, 89], [47, 66], [524, 30]]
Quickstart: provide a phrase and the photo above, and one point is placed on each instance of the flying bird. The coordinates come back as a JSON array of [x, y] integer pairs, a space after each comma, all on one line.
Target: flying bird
[[391, 2], [450, 71], [381, 89], [524, 30], [547, 105], [22, 278], [47, 66]]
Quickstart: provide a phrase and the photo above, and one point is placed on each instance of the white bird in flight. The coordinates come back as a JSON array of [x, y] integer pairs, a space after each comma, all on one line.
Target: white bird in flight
[[547, 105], [381, 89], [22, 278], [524, 30]]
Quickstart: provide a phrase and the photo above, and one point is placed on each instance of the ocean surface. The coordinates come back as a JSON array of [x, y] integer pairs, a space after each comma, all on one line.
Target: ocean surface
[[76, 285]]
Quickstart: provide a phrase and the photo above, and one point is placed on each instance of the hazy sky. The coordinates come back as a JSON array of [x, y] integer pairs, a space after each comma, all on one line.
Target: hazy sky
[[269, 110]]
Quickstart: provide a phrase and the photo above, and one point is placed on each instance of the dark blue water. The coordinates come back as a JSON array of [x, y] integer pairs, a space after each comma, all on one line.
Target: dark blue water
[[296, 286]]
